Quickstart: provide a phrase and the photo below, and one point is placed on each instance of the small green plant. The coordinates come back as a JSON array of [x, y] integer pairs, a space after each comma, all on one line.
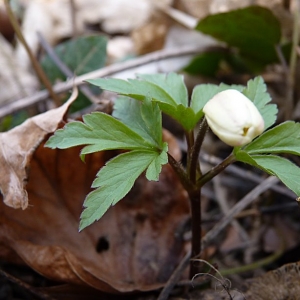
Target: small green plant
[[239, 115]]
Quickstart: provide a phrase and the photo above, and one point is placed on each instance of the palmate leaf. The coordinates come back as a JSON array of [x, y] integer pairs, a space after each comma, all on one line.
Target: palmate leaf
[[256, 91], [172, 83], [168, 91], [278, 166], [116, 179], [200, 96], [284, 138], [142, 117], [100, 132]]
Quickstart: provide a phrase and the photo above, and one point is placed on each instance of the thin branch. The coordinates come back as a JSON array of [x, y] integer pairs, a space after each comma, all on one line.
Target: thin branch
[[257, 264], [50, 51], [292, 66], [39, 71], [196, 150], [282, 59], [63, 67], [28, 288], [216, 170], [164, 294], [180, 172], [222, 198], [241, 205], [73, 17], [106, 71]]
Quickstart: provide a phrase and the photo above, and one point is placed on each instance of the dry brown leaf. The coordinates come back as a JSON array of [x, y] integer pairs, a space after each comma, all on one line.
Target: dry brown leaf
[[196, 8], [280, 284], [279, 232], [151, 36], [135, 246], [17, 147]]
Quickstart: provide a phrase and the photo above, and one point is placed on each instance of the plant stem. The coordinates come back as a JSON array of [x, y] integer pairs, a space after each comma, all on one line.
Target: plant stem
[[193, 170], [181, 173], [190, 140], [195, 200], [215, 170], [193, 187], [194, 197], [39, 71], [194, 164]]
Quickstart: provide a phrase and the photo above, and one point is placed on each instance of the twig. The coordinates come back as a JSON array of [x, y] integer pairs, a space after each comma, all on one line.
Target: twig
[[282, 59], [63, 67], [292, 65], [216, 170], [221, 196], [241, 205], [164, 294], [262, 262], [211, 235], [106, 71], [33, 291], [180, 172], [39, 71], [258, 264], [73, 17], [223, 282]]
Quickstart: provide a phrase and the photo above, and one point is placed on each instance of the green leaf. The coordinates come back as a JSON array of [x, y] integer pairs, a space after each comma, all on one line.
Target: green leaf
[[200, 96], [154, 167], [284, 138], [172, 83], [216, 60], [278, 166], [254, 30], [206, 64], [142, 117], [168, 91], [116, 179], [134, 88], [100, 132], [81, 55], [256, 91]]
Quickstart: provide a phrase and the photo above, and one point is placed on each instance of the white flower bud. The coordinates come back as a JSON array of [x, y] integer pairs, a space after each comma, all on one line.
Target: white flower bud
[[233, 118]]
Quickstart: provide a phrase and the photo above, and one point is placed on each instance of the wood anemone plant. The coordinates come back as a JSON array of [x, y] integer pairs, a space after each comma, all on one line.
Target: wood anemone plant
[[136, 127]]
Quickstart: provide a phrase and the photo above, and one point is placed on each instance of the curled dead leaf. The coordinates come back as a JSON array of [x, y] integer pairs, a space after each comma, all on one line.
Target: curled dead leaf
[[17, 147]]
